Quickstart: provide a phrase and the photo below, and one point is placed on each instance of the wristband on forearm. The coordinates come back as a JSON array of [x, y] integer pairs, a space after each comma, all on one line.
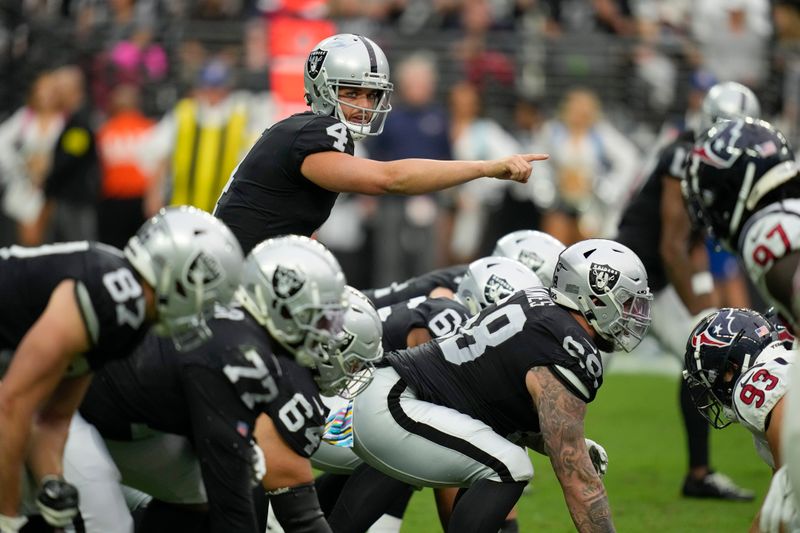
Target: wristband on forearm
[[702, 283]]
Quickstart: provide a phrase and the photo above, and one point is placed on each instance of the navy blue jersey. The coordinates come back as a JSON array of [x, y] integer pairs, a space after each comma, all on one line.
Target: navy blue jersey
[[395, 293], [267, 195], [212, 395], [480, 370], [640, 226], [440, 316], [107, 288]]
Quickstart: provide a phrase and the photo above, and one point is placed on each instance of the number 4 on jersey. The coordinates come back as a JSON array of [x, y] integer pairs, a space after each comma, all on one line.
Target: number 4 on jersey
[[339, 132]]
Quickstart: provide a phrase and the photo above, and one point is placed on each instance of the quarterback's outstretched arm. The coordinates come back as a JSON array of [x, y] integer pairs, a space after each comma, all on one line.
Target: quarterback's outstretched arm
[[341, 172], [561, 416]]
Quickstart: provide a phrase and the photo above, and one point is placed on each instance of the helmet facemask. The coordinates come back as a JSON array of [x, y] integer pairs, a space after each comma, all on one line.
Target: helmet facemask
[[377, 115], [620, 316], [348, 370]]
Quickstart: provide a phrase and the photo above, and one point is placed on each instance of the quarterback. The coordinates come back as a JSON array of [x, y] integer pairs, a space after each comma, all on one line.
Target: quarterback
[[289, 181]]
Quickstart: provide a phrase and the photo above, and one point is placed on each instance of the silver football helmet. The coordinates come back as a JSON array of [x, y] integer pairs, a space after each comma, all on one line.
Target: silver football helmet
[[489, 280], [349, 370], [295, 288], [347, 60], [607, 283], [536, 250], [727, 101], [191, 260]]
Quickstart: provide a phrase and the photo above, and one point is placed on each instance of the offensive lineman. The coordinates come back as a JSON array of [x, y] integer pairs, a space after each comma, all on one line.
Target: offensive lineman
[[213, 395], [405, 325], [70, 308], [657, 227], [441, 414], [738, 370], [289, 181]]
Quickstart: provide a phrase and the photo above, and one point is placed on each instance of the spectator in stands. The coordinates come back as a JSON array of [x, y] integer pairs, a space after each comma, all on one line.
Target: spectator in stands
[[406, 241], [27, 140], [72, 185], [133, 61], [205, 135], [129, 194], [479, 215], [732, 38], [581, 16], [591, 169]]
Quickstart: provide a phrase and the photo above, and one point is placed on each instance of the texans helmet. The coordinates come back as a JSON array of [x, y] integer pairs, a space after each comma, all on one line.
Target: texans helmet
[[734, 169], [720, 348]]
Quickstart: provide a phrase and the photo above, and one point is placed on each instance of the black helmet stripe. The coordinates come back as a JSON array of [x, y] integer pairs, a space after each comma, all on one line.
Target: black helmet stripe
[[373, 61]]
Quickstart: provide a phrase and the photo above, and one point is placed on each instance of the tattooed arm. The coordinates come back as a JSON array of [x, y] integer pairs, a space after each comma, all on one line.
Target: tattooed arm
[[561, 416]]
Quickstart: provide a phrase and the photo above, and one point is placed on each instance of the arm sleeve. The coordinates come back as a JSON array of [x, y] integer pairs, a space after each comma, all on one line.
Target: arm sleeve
[[221, 430]]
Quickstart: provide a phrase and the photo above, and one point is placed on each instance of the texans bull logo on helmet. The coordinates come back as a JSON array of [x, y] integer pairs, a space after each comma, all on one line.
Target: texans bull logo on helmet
[[602, 278], [287, 282], [314, 63], [496, 289], [721, 152]]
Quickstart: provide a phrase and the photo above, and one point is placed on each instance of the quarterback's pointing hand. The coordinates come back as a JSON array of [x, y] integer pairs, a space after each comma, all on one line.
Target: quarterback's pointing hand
[[516, 167]]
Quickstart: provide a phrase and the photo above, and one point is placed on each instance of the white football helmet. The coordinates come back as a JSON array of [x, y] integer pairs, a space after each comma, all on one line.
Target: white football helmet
[[349, 370], [536, 250], [489, 280], [607, 283], [295, 288], [191, 260], [347, 60], [727, 101]]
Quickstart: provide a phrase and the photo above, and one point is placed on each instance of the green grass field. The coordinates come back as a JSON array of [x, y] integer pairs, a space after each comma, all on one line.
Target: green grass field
[[636, 418]]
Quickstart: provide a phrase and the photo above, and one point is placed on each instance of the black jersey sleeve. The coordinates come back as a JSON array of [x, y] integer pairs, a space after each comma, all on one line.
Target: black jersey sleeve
[[221, 431], [111, 300], [322, 134], [395, 293], [298, 412], [440, 316]]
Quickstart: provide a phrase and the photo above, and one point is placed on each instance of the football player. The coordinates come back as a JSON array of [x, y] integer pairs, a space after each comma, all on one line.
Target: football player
[[657, 227], [535, 249], [70, 308], [738, 370], [442, 414], [290, 179], [406, 325], [293, 302]]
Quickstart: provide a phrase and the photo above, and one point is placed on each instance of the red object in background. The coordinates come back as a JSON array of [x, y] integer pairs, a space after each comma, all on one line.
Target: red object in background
[[289, 42]]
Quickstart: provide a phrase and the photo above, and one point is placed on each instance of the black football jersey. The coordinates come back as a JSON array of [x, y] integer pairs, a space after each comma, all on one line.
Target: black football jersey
[[107, 289], [640, 226], [267, 195], [480, 369], [212, 395], [440, 316], [395, 293], [152, 387]]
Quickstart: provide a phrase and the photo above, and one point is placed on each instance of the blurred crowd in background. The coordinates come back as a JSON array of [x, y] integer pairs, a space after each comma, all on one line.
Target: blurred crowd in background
[[113, 108]]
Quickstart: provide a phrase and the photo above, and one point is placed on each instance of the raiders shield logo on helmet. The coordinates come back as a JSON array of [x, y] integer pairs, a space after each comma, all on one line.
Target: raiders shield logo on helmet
[[530, 259], [602, 278], [314, 63], [286, 282], [203, 270], [496, 289]]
